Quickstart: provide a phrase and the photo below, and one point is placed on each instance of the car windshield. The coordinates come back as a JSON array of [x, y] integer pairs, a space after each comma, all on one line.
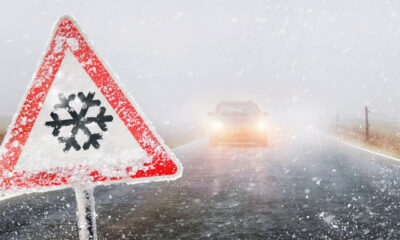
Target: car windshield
[[237, 109]]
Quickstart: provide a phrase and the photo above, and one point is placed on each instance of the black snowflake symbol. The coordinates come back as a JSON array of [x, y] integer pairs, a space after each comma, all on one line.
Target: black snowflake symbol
[[79, 121]]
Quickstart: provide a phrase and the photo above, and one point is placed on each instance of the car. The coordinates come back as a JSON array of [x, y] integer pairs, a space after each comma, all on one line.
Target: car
[[238, 122]]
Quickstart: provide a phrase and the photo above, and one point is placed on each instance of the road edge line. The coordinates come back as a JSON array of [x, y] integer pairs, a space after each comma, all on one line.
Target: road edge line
[[369, 151], [189, 144]]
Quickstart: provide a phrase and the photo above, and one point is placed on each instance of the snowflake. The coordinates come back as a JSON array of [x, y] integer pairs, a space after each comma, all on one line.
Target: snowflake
[[79, 121]]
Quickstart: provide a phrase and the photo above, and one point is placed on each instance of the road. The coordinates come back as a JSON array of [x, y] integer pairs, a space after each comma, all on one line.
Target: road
[[303, 186]]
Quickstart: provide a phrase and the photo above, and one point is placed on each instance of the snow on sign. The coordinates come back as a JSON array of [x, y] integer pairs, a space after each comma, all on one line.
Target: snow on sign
[[78, 125]]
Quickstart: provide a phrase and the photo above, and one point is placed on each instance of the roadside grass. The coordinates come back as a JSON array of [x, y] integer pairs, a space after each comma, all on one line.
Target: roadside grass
[[384, 136], [175, 136], [2, 134]]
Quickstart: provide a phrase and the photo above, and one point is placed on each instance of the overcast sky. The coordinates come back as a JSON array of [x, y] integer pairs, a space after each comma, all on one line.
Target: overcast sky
[[179, 58]]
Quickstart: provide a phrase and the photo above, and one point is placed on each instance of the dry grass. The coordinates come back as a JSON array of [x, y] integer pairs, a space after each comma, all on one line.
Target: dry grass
[[175, 136], [383, 136], [2, 134]]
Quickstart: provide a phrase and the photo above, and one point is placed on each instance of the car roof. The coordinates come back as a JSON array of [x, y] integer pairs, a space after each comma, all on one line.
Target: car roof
[[236, 102]]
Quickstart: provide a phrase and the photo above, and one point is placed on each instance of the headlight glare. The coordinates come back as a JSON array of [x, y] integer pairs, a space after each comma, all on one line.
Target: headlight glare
[[261, 125], [217, 125]]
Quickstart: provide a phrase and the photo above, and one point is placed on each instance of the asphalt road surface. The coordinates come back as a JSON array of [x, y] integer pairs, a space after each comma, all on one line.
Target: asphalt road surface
[[303, 186]]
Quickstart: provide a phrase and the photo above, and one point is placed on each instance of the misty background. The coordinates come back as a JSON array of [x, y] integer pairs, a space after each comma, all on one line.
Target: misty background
[[299, 60]]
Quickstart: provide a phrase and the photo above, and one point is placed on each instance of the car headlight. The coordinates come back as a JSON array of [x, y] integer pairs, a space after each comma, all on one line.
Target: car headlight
[[261, 125], [217, 125]]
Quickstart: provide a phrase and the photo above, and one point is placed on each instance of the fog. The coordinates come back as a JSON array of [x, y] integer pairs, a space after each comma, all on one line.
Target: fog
[[307, 60]]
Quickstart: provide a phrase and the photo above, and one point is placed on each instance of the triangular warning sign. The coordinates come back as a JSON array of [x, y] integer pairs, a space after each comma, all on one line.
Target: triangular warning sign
[[78, 125]]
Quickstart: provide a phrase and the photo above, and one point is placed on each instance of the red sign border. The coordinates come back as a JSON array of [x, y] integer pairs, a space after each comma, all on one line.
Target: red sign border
[[67, 35]]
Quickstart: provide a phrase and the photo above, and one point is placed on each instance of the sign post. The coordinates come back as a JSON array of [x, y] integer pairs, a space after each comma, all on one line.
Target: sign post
[[86, 212], [77, 127]]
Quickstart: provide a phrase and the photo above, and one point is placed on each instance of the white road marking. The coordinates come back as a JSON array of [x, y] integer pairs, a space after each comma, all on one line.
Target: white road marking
[[189, 144], [369, 151]]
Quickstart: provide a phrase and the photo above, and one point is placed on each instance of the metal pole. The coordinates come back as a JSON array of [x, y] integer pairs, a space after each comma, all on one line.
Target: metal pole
[[86, 212], [366, 124]]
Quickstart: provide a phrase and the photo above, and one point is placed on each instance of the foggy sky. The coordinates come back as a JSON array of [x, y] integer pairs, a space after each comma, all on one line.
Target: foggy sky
[[297, 59]]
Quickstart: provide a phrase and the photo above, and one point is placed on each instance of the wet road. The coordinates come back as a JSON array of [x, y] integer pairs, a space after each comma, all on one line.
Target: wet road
[[303, 186]]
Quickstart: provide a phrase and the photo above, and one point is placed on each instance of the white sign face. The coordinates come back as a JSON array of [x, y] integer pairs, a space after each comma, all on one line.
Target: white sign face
[[114, 144], [77, 125]]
